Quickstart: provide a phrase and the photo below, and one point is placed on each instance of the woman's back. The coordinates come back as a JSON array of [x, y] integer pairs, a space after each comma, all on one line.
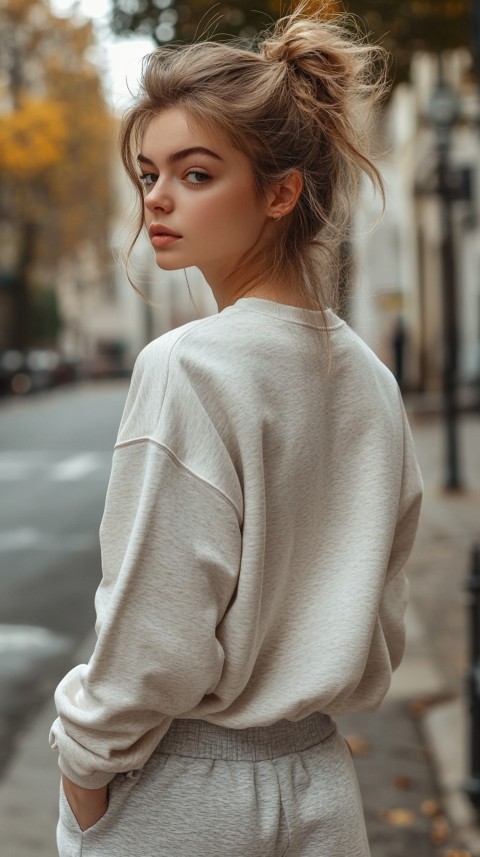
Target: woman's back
[[300, 439]]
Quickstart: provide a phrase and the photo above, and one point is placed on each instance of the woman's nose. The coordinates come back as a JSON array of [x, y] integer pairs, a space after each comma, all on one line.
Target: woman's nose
[[158, 198]]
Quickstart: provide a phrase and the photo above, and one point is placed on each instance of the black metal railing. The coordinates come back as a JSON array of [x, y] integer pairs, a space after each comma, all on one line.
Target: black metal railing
[[472, 786]]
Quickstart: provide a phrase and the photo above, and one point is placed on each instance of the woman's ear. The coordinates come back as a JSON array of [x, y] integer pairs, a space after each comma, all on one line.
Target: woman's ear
[[284, 196]]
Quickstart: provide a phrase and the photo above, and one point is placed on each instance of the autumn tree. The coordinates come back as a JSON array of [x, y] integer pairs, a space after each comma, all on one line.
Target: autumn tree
[[169, 20], [401, 26], [55, 144]]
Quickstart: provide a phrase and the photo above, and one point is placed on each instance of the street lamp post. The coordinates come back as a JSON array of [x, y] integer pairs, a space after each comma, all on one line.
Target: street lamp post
[[475, 24], [443, 112]]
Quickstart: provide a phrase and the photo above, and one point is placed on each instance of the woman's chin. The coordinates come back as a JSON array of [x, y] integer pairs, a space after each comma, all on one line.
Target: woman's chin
[[165, 265]]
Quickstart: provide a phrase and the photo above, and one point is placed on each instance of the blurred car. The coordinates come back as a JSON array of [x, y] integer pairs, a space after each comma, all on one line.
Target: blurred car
[[108, 362], [37, 369]]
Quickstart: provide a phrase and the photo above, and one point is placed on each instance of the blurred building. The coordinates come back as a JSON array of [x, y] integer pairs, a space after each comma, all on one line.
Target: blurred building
[[397, 299]]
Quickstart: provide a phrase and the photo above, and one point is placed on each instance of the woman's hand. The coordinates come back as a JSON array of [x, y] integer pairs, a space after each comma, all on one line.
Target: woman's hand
[[87, 805]]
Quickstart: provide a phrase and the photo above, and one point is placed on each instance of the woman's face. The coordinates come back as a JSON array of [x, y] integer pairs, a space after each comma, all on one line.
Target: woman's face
[[201, 205]]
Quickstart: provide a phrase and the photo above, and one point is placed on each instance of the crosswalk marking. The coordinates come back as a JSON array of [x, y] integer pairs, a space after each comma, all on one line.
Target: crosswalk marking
[[29, 538], [75, 467], [21, 466], [19, 539], [26, 638], [14, 470], [18, 466]]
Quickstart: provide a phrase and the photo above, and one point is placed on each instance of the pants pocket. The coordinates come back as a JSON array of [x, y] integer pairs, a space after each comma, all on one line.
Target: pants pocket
[[72, 841], [69, 835]]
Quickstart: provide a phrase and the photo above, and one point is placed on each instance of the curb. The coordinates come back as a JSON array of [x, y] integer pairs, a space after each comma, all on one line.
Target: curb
[[446, 732], [445, 729]]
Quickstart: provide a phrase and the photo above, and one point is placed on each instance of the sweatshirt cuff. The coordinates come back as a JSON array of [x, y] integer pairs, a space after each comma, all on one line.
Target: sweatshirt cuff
[[95, 780]]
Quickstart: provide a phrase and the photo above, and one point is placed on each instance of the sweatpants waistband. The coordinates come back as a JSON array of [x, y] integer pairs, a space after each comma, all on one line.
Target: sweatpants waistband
[[201, 739]]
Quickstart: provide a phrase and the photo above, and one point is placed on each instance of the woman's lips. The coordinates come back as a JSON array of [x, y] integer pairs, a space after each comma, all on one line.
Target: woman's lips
[[162, 239], [161, 235]]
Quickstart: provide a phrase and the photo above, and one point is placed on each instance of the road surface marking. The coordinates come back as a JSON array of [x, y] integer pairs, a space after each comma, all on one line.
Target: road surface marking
[[24, 638], [19, 539], [22, 465], [18, 466], [28, 538], [76, 467]]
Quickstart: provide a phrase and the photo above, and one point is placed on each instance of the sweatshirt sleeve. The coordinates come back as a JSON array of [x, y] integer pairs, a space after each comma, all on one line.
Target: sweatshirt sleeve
[[168, 577], [395, 594]]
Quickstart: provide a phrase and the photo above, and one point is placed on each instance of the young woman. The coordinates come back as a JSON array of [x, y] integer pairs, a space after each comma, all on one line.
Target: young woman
[[264, 493]]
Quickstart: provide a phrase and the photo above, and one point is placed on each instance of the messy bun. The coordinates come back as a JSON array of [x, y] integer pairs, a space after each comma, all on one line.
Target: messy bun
[[298, 100]]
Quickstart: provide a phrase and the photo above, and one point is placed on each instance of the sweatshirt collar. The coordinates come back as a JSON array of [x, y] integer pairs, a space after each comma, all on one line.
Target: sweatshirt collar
[[313, 318]]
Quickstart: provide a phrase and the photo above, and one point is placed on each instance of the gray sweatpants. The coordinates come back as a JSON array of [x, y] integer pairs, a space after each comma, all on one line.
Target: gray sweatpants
[[287, 790]]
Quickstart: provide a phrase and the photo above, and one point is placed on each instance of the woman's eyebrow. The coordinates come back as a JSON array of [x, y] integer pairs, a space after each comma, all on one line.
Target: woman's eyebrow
[[183, 153]]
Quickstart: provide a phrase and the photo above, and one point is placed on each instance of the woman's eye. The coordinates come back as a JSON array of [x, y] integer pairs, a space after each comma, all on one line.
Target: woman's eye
[[197, 177], [148, 179]]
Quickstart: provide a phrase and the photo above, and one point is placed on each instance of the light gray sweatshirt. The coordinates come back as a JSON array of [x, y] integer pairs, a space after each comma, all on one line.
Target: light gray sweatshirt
[[263, 501]]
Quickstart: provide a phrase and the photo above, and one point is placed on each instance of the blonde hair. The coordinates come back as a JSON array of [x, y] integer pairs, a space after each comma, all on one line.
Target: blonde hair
[[297, 100]]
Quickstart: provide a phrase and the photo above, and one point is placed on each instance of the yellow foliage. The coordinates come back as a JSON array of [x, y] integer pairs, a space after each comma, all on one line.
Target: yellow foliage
[[55, 146], [32, 137]]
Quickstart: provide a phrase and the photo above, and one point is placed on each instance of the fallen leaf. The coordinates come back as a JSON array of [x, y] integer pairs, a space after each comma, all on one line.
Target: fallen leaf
[[419, 707], [430, 808], [398, 817], [358, 745], [440, 830], [403, 783], [453, 852]]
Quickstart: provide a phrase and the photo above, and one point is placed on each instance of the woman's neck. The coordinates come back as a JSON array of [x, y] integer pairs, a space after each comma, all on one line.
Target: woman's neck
[[280, 291]]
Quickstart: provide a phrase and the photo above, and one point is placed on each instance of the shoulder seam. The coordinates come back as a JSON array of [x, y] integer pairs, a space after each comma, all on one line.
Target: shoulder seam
[[148, 439], [174, 344]]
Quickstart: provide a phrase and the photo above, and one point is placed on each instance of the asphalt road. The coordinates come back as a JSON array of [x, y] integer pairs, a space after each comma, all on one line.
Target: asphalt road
[[55, 458]]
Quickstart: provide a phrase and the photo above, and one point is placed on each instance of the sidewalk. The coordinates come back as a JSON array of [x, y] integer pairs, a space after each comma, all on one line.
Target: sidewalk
[[411, 754], [413, 757], [438, 571]]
